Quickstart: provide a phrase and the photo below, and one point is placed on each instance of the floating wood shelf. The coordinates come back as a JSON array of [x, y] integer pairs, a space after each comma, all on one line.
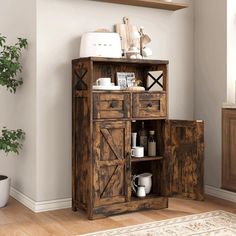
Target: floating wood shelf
[[135, 159], [170, 6]]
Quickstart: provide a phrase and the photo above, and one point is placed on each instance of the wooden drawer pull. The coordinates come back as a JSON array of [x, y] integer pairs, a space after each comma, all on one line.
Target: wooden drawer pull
[[149, 105]]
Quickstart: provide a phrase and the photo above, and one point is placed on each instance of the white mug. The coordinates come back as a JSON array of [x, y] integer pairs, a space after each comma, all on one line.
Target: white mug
[[103, 82], [137, 152]]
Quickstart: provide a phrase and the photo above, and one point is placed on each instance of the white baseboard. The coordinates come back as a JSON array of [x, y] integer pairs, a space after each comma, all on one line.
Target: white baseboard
[[43, 205], [66, 203], [220, 193]]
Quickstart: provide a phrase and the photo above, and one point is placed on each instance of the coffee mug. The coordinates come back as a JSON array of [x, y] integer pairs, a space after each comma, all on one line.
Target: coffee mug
[[103, 82], [137, 152]]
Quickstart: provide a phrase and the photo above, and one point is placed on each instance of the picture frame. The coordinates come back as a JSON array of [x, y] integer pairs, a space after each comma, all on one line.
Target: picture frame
[[125, 79]]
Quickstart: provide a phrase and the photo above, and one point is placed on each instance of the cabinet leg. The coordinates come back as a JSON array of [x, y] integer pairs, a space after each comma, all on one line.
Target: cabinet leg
[[74, 208]]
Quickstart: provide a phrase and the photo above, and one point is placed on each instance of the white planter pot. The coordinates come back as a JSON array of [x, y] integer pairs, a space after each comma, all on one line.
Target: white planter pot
[[4, 190]]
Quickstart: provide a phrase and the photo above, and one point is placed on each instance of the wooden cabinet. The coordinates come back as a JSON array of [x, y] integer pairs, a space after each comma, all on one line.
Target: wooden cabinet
[[229, 149], [102, 126]]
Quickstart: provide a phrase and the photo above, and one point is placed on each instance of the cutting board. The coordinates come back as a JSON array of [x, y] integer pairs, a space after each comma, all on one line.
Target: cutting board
[[126, 30]]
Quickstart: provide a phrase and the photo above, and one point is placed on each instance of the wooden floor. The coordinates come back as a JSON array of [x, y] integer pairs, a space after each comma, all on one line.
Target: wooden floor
[[17, 220]]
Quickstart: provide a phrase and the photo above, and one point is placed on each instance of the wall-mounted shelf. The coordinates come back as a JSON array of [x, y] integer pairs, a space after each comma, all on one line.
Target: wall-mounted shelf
[[170, 6]]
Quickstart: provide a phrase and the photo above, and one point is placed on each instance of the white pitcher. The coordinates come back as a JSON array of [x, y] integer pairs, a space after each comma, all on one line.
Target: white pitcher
[[144, 179]]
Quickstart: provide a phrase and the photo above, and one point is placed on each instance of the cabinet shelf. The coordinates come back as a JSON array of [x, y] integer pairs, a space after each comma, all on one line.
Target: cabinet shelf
[[148, 197], [158, 4], [135, 159]]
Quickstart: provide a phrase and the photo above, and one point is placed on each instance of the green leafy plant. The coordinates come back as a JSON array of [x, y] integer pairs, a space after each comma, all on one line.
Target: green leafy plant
[[10, 140], [10, 63]]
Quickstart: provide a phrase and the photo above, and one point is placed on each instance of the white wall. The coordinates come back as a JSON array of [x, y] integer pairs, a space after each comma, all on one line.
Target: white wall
[[211, 79], [42, 106], [18, 19], [231, 50], [60, 23]]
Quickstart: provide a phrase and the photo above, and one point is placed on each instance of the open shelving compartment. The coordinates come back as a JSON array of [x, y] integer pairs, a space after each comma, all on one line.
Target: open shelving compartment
[[147, 164]]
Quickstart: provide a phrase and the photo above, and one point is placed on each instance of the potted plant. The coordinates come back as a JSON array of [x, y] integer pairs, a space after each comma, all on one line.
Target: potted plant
[[10, 140]]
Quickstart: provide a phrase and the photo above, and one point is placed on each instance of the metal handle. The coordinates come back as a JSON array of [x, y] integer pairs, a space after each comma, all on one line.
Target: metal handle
[[149, 105], [112, 104], [128, 165]]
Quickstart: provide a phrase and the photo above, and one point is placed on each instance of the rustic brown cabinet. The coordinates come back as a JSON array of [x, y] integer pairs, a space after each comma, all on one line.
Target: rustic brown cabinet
[[229, 149], [102, 126]]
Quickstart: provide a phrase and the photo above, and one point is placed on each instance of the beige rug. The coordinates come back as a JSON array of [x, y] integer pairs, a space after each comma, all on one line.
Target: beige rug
[[218, 223]]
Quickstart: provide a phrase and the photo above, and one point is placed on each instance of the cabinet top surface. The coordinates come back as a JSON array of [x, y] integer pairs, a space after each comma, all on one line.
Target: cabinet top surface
[[122, 60]]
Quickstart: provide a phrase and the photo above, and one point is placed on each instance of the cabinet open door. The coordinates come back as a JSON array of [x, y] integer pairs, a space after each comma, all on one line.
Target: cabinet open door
[[184, 159]]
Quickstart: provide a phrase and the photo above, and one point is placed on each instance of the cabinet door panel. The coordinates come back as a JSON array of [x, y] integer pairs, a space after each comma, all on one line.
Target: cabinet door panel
[[111, 144], [229, 150], [184, 151]]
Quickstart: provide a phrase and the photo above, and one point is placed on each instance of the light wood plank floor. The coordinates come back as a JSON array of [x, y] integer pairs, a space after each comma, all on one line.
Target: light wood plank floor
[[17, 220]]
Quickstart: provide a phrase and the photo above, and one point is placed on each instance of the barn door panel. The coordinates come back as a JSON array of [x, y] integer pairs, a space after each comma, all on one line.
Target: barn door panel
[[112, 141], [184, 159]]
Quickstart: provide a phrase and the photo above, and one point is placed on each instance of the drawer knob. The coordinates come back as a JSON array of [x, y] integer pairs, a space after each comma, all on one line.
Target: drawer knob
[[112, 104], [149, 105]]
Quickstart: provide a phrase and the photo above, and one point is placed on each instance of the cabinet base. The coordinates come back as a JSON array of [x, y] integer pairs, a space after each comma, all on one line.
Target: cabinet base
[[134, 205]]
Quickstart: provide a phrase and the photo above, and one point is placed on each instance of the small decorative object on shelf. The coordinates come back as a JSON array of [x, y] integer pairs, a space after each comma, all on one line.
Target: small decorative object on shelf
[[152, 144], [134, 139], [145, 180], [125, 79], [141, 191], [143, 138]]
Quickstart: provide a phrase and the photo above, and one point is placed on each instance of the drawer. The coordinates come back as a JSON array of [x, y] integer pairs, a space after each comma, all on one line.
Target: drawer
[[109, 106], [149, 105]]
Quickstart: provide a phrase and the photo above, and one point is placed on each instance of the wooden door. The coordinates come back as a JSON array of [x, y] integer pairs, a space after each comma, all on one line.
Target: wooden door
[[229, 150], [111, 157], [184, 159]]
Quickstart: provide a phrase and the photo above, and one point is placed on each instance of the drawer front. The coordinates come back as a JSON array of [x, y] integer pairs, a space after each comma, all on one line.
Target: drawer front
[[109, 106], [149, 105]]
